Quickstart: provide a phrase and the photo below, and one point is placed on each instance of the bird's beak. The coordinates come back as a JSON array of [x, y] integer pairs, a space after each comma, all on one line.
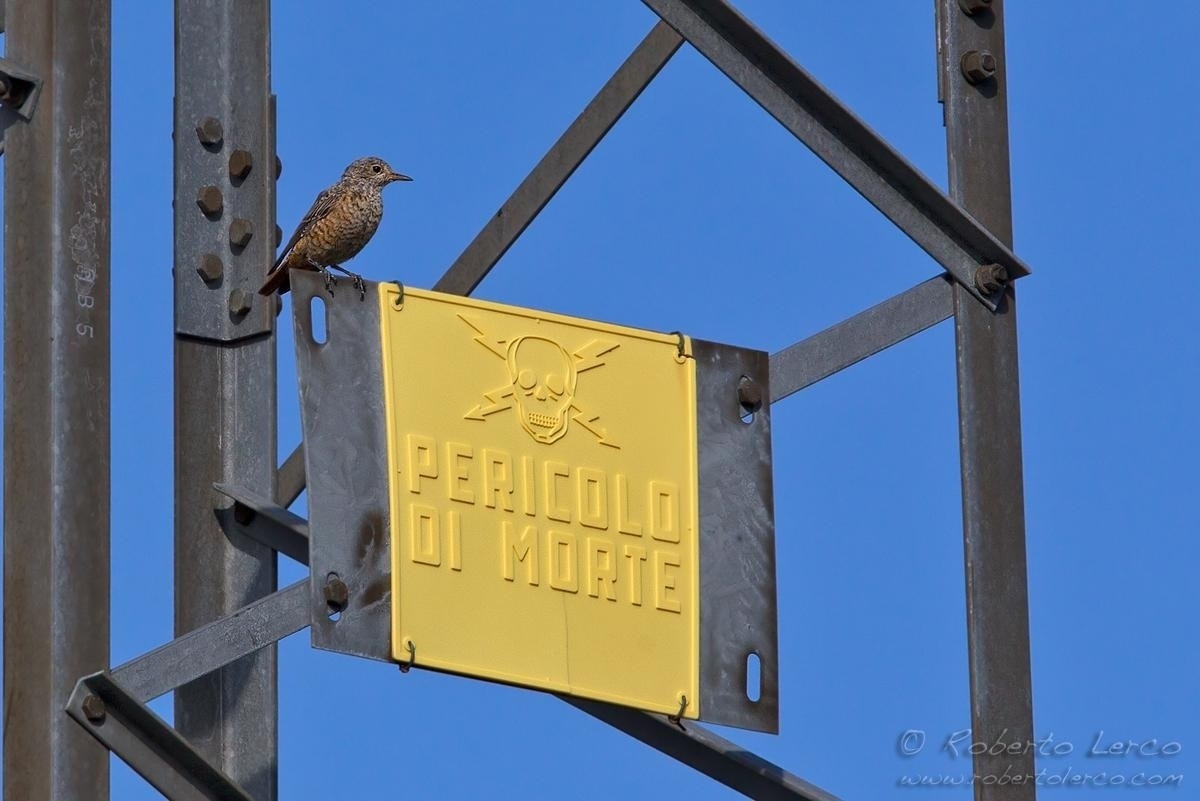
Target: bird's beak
[[395, 176]]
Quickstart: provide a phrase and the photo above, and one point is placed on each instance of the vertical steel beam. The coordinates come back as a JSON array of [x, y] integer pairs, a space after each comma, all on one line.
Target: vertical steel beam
[[224, 367], [974, 89], [56, 398]]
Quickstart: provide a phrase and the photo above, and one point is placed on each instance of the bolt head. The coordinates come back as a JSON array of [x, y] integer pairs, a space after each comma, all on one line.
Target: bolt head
[[241, 231], [210, 268], [278, 167], [990, 278], [93, 708], [973, 7], [337, 594], [977, 66], [210, 201], [240, 164], [243, 514], [240, 302], [750, 394], [209, 132], [278, 236]]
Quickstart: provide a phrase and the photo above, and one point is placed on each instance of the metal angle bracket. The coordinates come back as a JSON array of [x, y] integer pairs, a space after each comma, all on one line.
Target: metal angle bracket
[[739, 650], [345, 462], [147, 744]]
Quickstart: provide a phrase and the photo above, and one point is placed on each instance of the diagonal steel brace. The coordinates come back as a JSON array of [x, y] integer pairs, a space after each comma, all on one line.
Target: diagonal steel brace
[[147, 744], [949, 234], [110, 705], [267, 522]]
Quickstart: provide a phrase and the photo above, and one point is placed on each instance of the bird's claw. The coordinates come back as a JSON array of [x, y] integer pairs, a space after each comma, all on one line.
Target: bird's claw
[[360, 285], [330, 282]]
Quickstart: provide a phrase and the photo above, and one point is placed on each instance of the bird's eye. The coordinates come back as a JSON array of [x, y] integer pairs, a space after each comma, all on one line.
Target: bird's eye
[[377, 168]]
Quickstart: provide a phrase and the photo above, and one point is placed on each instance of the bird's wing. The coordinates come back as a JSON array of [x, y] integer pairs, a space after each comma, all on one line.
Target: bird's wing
[[320, 208]]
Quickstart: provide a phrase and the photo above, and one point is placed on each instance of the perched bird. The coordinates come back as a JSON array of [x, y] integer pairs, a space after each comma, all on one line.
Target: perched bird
[[340, 223]]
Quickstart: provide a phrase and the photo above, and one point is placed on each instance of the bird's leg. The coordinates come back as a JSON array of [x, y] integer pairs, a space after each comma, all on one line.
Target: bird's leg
[[330, 281], [355, 278]]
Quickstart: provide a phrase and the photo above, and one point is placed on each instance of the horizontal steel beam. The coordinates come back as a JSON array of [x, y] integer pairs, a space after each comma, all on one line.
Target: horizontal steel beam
[[865, 334], [147, 744], [560, 161], [714, 756], [203, 650], [839, 138], [268, 523]]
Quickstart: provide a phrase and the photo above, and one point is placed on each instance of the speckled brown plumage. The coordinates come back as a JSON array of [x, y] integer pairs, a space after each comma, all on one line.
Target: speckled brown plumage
[[341, 221]]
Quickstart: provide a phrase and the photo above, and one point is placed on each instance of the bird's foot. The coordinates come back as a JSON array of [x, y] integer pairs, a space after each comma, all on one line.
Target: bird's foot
[[360, 285], [330, 281]]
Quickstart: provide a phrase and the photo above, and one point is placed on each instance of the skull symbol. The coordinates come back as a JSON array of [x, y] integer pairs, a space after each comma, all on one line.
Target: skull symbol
[[543, 383]]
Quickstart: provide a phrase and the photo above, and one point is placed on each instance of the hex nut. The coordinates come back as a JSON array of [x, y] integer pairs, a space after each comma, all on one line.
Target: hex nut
[[990, 278], [243, 514], [93, 708], [209, 131], [210, 268], [337, 594], [240, 164], [977, 66], [750, 394], [210, 201], [973, 7], [240, 302], [241, 231]]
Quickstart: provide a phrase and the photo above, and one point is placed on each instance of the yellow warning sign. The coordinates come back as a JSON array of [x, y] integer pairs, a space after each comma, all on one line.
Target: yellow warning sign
[[543, 489]]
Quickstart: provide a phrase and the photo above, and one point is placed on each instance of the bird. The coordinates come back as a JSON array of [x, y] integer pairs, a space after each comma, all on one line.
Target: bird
[[341, 221]]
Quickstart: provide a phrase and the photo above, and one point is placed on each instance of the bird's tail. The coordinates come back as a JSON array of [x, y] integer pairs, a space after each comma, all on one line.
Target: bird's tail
[[277, 281]]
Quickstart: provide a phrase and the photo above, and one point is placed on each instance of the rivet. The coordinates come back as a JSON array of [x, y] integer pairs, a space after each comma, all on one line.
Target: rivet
[[278, 236], [278, 168]]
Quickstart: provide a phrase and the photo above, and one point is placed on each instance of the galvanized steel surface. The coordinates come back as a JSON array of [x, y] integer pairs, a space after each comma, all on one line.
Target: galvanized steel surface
[[989, 414], [224, 369], [345, 454], [106, 710], [56, 398], [738, 615]]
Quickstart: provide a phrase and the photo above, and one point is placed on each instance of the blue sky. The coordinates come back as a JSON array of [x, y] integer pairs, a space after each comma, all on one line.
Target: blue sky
[[700, 213]]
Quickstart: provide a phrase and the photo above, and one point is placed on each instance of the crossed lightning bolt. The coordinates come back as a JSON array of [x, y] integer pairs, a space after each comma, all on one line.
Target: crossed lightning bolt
[[587, 357]]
